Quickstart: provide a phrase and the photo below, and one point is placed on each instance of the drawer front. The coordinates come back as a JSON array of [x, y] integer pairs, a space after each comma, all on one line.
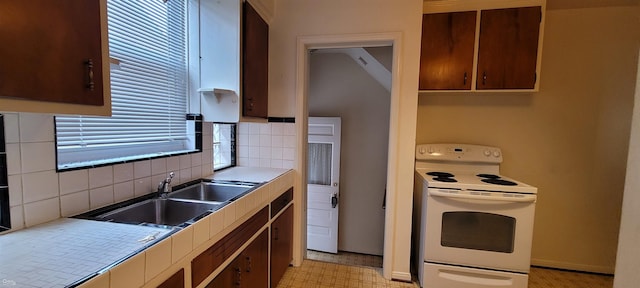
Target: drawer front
[[208, 261], [281, 201]]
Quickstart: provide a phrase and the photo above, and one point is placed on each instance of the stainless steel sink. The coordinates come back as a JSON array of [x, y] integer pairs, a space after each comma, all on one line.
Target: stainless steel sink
[[178, 208], [158, 211], [212, 191]]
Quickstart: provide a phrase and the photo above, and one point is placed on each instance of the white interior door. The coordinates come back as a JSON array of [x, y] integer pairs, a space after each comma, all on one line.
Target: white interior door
[[323, 172]]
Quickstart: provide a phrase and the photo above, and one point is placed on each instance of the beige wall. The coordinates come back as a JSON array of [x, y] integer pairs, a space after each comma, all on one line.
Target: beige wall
[[570, 139], [302, 19], [339, 87]]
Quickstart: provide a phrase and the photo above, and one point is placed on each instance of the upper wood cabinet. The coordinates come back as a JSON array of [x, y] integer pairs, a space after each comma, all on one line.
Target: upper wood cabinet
[[508, 48], [475, 47], [446, 56], [255, 63], [54, 57]]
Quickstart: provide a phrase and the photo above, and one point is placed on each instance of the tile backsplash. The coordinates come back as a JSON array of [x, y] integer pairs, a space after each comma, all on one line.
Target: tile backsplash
[[38, 194], [266, 145]]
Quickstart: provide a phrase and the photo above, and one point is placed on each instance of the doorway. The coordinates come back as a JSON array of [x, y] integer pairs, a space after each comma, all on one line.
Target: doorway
[[402, 126], [354, 84]]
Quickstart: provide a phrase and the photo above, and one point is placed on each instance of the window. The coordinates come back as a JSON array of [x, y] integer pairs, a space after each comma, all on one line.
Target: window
[[224, 145], [148, 40], [5, 221]]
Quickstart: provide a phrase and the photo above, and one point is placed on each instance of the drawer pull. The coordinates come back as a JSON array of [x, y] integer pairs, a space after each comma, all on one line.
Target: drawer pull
[[90, 84]]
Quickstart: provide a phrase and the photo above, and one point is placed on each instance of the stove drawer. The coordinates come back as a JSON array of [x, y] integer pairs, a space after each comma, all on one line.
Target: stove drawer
[[445, 276]]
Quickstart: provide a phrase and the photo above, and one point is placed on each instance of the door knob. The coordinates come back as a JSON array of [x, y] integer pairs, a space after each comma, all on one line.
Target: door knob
[[334, 200]]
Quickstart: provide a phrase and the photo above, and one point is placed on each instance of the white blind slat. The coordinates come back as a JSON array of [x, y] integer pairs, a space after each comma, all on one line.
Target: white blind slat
[[149, 91]]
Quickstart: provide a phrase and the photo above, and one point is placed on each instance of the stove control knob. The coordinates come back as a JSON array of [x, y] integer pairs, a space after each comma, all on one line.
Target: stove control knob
[[422, 150], [487, 153], [431, 150], [496, 153]]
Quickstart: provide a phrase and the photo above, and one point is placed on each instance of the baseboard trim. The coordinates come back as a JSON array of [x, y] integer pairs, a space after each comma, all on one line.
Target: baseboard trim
[[401, 276], [573, 266]]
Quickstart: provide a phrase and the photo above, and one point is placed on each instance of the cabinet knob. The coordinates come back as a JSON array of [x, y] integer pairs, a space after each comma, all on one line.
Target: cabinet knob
[[464, 81], [484, 78]]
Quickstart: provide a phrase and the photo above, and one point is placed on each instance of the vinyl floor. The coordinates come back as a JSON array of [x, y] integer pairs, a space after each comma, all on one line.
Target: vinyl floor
[[344, 270]]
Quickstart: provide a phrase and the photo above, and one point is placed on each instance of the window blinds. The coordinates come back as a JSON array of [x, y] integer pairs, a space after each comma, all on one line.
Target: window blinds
[[148, 88]]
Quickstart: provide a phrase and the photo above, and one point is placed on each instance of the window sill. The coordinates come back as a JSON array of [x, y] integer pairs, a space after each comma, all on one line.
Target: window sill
[[121, 160]]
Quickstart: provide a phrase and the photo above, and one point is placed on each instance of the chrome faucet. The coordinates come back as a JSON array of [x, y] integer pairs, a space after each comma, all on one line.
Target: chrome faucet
[[165, 186]]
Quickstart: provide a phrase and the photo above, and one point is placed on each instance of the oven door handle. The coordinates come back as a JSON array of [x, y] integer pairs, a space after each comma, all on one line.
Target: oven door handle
[[520, 199]]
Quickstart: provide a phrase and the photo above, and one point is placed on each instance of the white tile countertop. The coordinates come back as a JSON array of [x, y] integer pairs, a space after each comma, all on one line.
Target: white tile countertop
[[65, 251], [248, 174], [68, 251]]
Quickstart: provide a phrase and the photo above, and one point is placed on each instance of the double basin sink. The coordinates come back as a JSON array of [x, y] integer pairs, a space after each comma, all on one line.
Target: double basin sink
[[179, 208]]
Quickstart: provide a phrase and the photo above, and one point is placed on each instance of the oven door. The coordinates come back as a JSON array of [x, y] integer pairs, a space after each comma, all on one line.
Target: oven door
[[479, 229]]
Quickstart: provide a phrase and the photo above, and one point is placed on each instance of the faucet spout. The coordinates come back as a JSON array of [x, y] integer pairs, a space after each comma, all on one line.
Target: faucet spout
[[165, 186]]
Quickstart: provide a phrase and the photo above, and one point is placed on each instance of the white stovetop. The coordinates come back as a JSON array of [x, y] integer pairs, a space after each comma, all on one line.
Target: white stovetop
[[468, 180]]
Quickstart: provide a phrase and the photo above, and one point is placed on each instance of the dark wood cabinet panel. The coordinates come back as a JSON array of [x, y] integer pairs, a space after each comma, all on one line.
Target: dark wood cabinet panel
[[446, 55], [51, 51], [209, 260], [281, 201], [281, 245], [508, 48], [255, 63], [175, 281], [249, 269], [256, 263], [231, 276]]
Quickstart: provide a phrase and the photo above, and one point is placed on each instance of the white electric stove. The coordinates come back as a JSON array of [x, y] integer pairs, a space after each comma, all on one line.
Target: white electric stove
[[472, 226]]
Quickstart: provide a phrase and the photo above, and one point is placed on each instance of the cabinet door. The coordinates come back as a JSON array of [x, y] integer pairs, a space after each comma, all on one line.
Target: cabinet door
[[508, 48], [281, 245], [209, 260], [51, 51], [255, 63], [446, 56], [175, 281], [255, 260], [231, 276]]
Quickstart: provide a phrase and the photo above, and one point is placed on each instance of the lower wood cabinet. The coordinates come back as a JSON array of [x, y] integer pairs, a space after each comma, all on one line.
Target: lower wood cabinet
[[208, 261], [281, 245], [249, 269], [175, 281]]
